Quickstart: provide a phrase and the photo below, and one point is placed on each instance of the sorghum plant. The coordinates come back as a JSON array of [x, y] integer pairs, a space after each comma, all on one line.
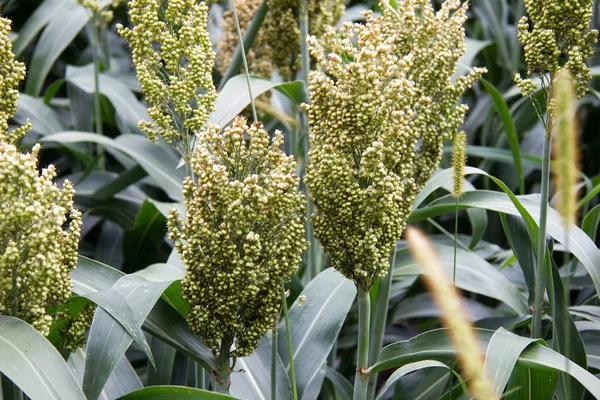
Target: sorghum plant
[[243, 232], [379, 118], [278, 42], [39, 227], [553, 32], [174, 60]]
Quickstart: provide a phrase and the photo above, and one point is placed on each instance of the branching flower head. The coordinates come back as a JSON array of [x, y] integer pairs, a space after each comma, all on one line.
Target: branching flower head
[[39, 237], [243, 232], [11, 75], [379, 118], [278, 43], [39, 227], [259, 55], [174, 59], [557, 30]]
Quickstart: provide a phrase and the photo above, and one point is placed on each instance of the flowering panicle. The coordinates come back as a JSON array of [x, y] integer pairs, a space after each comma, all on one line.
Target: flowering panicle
[[566, 145], [459, 161], [174, 59], [243, 232], [278, 42], [259, 55], [36, 251], [11, 75], [379, 117], [553, 31], [39, 227]]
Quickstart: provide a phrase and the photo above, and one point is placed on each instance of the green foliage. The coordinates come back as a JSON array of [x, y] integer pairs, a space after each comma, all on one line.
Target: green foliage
[[395, 97]]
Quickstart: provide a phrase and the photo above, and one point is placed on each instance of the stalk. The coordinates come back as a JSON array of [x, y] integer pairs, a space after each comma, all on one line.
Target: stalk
[[223, 366], [245, 62], [541, 249], [97, 108], [379, 322], [288, 334], [361, 379], [274, 358]]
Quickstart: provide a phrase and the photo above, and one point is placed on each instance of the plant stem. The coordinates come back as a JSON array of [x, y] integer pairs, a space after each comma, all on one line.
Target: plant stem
[[379, 321], [245, 62], [223, 366], [361, 379], [249, 36], [541, 248], [274, 358], [97, 108], [288, 333]]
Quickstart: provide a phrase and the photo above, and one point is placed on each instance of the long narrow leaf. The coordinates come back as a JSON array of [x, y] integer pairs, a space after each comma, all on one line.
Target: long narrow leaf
[[33, 364]]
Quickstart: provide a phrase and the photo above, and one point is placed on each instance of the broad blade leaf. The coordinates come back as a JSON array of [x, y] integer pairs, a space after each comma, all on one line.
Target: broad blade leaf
[[255, 380], [173, 393], [315, 325], [107, 340], [33, 364], [235, 97]]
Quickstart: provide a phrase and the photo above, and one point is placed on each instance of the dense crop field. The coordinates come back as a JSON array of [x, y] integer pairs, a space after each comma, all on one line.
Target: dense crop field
[[299, 199]]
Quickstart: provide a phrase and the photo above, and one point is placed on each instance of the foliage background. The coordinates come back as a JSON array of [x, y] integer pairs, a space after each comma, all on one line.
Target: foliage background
[[126, 231]]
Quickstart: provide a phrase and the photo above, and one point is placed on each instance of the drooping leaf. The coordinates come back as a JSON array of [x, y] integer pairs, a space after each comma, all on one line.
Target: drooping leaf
[[316, 324], [407, 369], [573, 238], [234, 97], [144, 243], [473, 274], [107, 340], [158, 159], [33, 364], [127, 106], [435, 345], [254, 382]]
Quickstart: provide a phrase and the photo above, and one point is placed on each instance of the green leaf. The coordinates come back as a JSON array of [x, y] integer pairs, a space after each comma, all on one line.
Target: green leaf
[[173, 393], [144, 243], [165, 358], [502, 354], [473, 274], [163, 321], [407, 369], [169, 326], [127, 106], [531, 384], [255, 381], [316, 325], [509, 127], [43, 118], [42, 15], [62, 28], [591, 221], [33, 364], [573, 238], [111, 301], [342, 386], [158, 159], [518, 239], [123, 379], [107, 340], [234, 97], [435, 345]]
